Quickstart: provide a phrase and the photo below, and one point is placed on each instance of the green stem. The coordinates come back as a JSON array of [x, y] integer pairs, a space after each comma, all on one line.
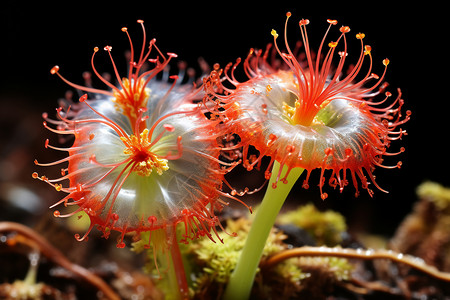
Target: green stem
[[30, 278], [241, 280]]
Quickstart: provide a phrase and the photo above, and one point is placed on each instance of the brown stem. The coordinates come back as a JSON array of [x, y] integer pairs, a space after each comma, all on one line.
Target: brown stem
[[409, 260], [56, 256]]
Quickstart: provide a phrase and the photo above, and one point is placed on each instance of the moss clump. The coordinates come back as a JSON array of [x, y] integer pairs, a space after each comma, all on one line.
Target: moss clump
[[435, 193], [325, 227], [210, 265], [219, 259], [424, 232], [214, 262]]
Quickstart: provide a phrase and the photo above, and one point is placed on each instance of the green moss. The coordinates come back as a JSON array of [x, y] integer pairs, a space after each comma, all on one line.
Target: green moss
[[219, 259], [326, 227], [210, 264], [436, 193], [213, 263], [337, 268]]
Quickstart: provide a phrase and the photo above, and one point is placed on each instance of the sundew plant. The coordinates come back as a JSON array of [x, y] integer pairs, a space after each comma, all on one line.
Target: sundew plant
[[150, 155], [311, 112], [145, 157]]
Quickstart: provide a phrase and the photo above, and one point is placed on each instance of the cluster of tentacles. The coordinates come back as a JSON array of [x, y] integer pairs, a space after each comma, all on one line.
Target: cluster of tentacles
[[311, 110], [145, 156], [149, 154]]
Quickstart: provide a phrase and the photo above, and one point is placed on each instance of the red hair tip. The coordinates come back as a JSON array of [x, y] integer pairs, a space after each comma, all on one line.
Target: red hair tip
[[303, 22], [344, 29], [152, 219], [348, 152], [332, 22], [54, 70], [169, 127], [83, 98], [360, 36], [142, 110], [140, 21]]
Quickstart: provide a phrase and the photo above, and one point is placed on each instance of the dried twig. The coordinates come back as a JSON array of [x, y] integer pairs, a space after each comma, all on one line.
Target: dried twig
[[412, 261], [56, 256]]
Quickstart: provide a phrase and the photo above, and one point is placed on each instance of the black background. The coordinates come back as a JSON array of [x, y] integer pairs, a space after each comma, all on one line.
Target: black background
[[37, 36]]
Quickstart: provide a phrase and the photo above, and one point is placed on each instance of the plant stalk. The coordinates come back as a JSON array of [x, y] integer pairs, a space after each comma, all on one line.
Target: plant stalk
[[178, 269], [242, 278]]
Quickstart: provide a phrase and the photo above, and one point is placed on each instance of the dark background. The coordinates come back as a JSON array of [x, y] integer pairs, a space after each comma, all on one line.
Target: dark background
[[35, 37]]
